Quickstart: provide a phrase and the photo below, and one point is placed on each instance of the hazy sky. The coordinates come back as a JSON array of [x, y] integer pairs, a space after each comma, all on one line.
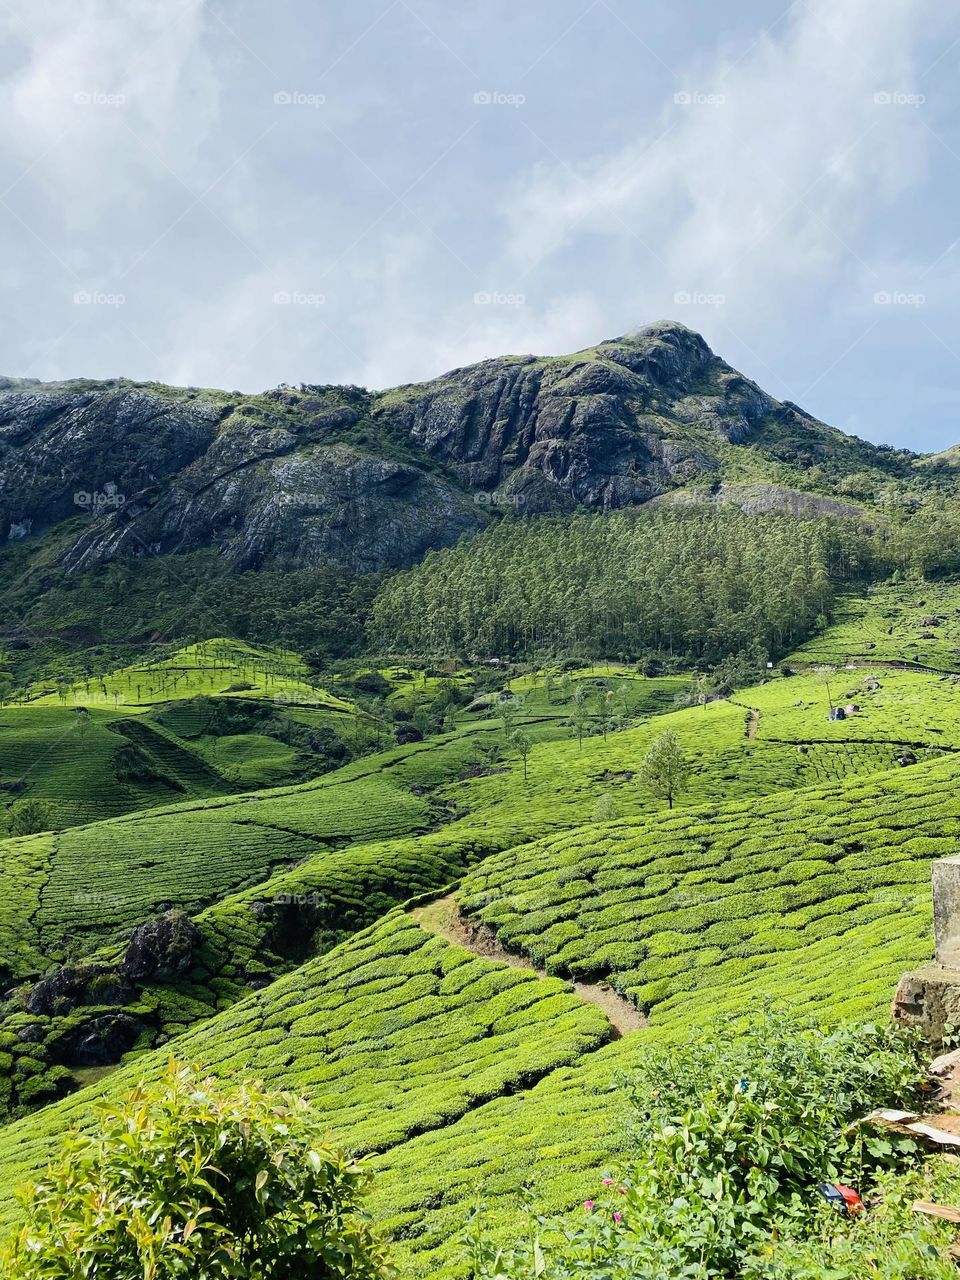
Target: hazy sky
[[375, 191]]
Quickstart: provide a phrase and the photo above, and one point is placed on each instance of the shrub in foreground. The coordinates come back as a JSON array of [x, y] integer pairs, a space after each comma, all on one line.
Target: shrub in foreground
[[193, 1180], [732, 1134]]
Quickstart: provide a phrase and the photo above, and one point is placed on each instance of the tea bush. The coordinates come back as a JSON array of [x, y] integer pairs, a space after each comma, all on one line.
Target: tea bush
[[186, 1178]]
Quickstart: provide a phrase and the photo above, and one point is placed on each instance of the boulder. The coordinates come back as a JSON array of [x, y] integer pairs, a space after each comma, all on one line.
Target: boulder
[[58, 992], [102, 1041], [161, 949], [929, 999]]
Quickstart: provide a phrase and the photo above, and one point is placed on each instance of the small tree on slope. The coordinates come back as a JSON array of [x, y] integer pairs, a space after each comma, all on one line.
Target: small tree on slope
[[664, 770], [189, 1179]]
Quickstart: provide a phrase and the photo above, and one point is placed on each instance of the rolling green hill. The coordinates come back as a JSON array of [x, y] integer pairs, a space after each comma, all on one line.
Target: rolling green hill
[[463, 934], [157, 731], [690, 913]]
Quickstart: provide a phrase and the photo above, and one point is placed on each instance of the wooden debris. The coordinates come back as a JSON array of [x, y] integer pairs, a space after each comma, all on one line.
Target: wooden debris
[[910, 1124], [937, 1211]]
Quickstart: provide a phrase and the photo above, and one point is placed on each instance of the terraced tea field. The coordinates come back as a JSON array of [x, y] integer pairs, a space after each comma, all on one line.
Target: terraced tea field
[[141, 737], [911, 622], [97, 882], [101, 879], [213, 668], [688, 913], [704, 904], [794, 868]]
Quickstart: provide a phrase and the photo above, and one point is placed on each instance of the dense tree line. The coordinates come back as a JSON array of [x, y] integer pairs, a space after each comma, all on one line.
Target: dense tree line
[[178, 599], [693, 584]]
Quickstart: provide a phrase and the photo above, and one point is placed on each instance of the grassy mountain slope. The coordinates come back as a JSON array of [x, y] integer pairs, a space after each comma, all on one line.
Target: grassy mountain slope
[[149, 734], [796, 868], [623, 887]]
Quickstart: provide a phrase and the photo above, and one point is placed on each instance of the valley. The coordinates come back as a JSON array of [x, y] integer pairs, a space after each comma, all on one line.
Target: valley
[[457, 852]]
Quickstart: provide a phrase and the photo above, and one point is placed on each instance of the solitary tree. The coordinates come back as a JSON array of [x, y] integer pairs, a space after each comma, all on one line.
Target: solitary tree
[[664, 770], [29, 816], [605, 810], [825, 675], [82, 722], [580, 713], [521, 743], [509, 710], [191, 1178]]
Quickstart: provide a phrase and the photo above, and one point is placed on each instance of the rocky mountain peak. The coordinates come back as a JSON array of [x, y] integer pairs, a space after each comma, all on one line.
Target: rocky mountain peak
[[338, 475]]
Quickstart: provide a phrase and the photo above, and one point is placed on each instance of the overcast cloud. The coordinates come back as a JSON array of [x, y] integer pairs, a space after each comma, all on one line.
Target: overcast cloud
[[238, 195]]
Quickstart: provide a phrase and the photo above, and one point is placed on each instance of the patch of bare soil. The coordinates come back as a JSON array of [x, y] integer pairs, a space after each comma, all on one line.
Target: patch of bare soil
[[443, 917]]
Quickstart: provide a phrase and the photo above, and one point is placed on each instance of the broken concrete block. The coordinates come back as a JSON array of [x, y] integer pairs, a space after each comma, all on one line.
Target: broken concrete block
[[929, 998]]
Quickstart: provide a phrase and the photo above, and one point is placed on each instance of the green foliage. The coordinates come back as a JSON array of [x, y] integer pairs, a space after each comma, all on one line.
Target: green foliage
[[698, 584], [697, 911], [605, 810], [664, 769], [912, 622], [731, 1136], [29, 816], [193, 597], [451, 1068], [186, 1179], [890, 1242]]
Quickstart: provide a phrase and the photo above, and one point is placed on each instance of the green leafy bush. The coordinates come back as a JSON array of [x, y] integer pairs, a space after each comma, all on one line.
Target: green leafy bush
[[189, 1179], [731, 1136]]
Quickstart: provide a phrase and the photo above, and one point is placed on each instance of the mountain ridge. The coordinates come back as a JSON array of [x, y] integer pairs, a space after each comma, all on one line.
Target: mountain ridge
[[369, 481]]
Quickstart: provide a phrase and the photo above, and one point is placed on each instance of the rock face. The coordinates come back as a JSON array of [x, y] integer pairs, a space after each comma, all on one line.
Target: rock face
[[101, 1040], [608, 428], [161, 949], [929, 999], [367, 481]]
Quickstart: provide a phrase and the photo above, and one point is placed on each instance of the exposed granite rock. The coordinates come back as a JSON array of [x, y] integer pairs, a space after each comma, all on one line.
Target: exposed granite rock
[[61, 443], [100, 1041], [59, 992], [161, 949], [370, 481], [290, 509], [754, 499], [605, 429]]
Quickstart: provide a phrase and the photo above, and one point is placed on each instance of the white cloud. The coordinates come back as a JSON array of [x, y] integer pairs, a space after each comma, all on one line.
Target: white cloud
[[105, 97], [759, 182]]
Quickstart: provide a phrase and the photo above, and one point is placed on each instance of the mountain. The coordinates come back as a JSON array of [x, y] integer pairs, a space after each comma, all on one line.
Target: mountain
[[329, 475]]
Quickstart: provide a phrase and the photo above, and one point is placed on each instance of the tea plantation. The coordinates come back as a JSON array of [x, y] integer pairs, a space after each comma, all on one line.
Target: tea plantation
[[679, 910], [904, 622], [206, 720], [794, 868]]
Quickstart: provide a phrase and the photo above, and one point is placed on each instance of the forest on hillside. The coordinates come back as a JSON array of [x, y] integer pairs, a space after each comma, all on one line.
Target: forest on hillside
[[698, 585]]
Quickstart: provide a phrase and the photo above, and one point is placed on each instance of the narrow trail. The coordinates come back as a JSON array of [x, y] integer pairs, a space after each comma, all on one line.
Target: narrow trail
[[753, 723], [442, 917], [879, 664]]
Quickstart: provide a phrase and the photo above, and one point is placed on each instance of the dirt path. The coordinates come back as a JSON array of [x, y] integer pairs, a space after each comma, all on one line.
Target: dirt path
[[753, 723], [442, 917], [869, 664]]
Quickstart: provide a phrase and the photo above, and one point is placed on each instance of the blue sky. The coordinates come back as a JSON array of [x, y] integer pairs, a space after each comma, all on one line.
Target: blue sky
[[376, 191]]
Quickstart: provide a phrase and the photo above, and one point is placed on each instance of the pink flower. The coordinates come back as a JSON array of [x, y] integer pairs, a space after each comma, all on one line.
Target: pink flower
[[607, 1182], [618, 1217], [588, 1205]]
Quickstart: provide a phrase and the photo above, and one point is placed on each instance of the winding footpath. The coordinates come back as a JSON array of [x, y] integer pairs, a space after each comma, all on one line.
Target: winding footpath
[[443, 917]]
